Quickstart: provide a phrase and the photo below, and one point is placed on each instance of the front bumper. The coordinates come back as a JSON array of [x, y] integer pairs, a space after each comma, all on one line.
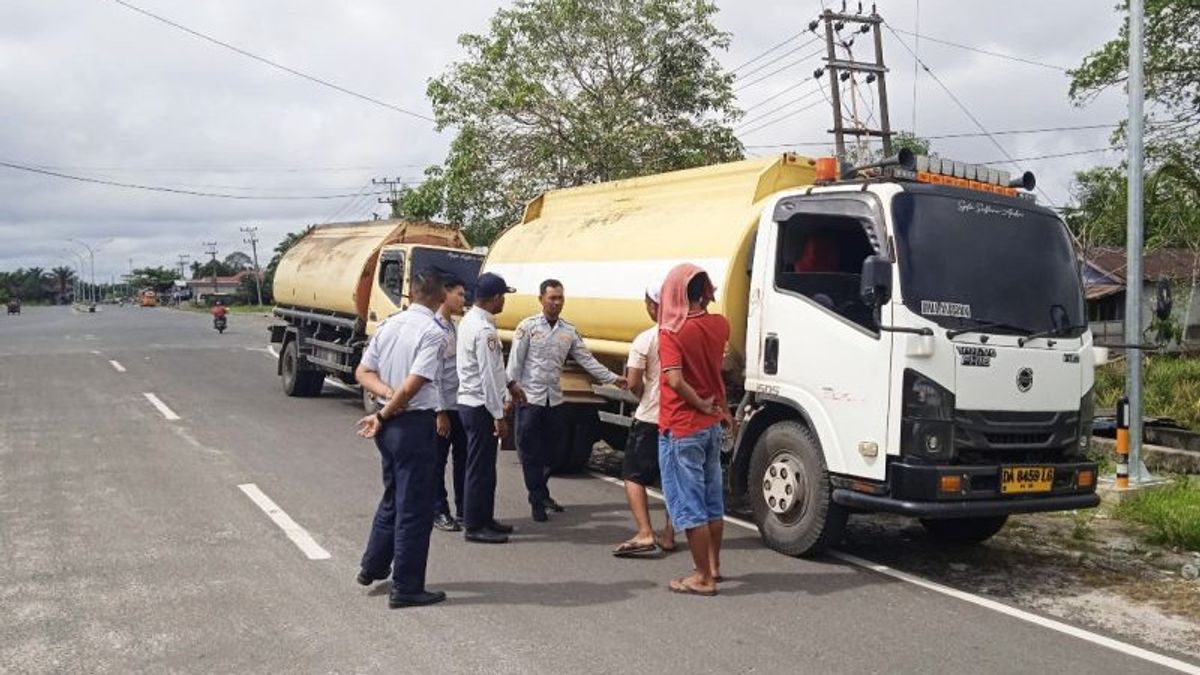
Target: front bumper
[[914, 490]]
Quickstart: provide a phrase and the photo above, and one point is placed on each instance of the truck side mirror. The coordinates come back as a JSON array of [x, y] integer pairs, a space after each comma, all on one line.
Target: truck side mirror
[[876, 288], [1163, 301]]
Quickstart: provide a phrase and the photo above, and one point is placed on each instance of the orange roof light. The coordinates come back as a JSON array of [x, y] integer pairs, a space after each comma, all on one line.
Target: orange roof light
[[827, 169]]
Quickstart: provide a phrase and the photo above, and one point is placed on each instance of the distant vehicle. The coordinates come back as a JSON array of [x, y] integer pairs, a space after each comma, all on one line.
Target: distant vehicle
[[148, 298], [335, 286], [14, 306], [220, 323]]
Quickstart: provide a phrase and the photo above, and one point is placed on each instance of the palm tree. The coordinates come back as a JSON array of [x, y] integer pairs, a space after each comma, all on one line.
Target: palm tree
[[64, 276]]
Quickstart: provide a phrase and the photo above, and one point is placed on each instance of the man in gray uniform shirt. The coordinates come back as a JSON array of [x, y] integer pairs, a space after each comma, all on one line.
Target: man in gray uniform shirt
[[541, 345]]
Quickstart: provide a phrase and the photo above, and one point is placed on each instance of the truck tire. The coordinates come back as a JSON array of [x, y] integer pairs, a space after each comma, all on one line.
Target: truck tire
[[790, 492], [964, 530], [298, 380]]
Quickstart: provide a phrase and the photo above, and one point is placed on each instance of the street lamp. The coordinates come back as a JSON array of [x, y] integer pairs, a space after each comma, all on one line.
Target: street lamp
[[78, 271], [92, 255]]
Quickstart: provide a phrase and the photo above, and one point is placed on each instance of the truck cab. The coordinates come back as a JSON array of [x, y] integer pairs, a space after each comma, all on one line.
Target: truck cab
[[916, 346]]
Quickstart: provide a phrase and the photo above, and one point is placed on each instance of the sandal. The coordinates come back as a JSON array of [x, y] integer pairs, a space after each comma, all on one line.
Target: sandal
[[682, 587], [634, 549]]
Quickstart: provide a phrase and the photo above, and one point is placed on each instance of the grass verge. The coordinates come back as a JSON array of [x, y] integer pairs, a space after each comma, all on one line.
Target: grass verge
[[1172, 513], [1172, 387]]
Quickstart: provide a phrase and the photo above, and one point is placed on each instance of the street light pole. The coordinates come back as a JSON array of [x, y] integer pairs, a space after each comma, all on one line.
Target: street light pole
[[1133, 240]]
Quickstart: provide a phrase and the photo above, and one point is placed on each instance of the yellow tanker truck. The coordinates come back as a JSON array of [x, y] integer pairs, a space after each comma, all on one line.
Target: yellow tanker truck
[[336, 284], [908, 337]]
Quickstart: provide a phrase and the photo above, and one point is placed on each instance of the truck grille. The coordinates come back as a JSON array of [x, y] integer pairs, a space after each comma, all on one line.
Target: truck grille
[[1017, 438]]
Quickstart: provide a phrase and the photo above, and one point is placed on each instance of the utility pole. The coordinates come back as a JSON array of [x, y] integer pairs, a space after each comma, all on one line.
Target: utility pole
[[842, 69], [184, 258], [1133, 241], [92, 257], [210, 248], [251, 233], [393, 185]]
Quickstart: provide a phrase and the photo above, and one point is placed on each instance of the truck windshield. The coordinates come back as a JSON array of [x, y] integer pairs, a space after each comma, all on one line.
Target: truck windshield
[[977, 261], [463, 265]]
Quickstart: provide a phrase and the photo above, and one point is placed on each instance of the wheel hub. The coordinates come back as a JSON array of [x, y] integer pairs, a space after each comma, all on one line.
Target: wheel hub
[[782, 485]]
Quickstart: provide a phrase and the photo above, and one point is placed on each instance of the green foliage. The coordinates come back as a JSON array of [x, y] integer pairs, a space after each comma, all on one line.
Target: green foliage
[[211, 268], [1171, 388], [426, 201], [1171, 206], [238, 261], [32, 285], [1172, 512], [161, 279], [567, 92]]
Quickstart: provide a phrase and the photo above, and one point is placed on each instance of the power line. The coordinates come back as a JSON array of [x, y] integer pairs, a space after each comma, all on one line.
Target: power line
[[776, 95], [160, 188], [222, 170], [776, 109], [775, 60], [781, 119], [768, 51], [779, 70], [980, 51], [273, 64], [1052, 156]]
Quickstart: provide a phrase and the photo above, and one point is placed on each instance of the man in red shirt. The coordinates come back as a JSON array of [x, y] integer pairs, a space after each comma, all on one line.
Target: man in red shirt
[[692, 409]]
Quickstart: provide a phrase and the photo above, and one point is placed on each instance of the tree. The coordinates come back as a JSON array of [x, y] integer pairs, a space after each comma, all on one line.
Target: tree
[[425, 201], [901, 140], [238, 261], [1172, 75], [64, 276], [289, 240], [161, 279], [210, 268], [567, 92]]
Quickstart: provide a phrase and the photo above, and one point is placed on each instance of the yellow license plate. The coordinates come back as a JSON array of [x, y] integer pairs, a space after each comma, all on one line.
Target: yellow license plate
[[1024, 479]]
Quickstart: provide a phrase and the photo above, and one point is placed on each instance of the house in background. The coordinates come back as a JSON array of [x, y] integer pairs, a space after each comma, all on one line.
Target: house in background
[[1104, 280], [204, 290]]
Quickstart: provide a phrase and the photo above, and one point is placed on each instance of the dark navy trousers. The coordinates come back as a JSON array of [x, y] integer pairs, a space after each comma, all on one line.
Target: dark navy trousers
[[404, 519], [454, 449], [539, 434], [479, 505]]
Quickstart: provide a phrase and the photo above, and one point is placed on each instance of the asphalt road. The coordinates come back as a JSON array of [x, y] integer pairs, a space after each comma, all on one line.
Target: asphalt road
[[127, 545]]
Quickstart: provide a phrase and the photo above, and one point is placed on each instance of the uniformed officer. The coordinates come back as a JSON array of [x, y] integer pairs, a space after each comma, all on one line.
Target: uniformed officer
[[541, 345], [482, 390], [452, 438], [400, 367]]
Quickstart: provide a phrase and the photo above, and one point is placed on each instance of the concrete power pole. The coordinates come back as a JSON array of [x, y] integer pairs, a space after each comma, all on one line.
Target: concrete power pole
[[393, 186], [839, 69], [251, 233], [1133, 240], [210, 248]]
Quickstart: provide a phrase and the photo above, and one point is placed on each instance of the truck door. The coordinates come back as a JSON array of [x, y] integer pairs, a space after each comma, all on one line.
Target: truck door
[[818, 344], [387, 293]]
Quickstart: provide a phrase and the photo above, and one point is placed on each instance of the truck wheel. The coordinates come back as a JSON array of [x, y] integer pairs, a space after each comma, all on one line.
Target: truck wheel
[[297, 380], [790, 492], [580, 433], [964, 530]]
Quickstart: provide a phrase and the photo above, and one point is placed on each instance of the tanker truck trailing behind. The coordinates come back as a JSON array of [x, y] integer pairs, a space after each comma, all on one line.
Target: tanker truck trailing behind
[[907, 338], [340, 281]]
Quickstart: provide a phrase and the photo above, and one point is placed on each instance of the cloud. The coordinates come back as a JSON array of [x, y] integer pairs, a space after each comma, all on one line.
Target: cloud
[[104, 92]]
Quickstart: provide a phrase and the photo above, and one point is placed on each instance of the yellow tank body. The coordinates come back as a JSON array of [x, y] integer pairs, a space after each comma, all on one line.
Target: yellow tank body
[[331, 268], [606, 242]]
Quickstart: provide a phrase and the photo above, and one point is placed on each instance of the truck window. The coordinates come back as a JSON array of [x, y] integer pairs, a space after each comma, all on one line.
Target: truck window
[[820, 257], [391, 278]]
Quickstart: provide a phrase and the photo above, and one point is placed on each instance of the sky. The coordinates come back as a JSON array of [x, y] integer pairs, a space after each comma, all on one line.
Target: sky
[[96, 90]]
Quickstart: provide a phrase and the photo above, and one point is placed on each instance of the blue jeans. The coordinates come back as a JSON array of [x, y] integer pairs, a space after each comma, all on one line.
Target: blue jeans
[[691, 477]]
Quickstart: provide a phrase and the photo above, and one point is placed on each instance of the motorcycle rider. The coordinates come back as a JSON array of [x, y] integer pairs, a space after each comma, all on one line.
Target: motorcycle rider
[[218, 312]]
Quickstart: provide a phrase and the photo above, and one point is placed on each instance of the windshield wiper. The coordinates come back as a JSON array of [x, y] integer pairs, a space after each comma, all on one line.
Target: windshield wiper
[[982, 325], [1046, 333]]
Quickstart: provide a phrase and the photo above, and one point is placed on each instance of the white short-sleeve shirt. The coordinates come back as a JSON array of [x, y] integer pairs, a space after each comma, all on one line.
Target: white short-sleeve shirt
[[643, 354]]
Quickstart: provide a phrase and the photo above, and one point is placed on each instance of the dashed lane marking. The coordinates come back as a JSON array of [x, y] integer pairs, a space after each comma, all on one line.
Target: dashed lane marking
[[162, 407], [299, 536], [117, 367]]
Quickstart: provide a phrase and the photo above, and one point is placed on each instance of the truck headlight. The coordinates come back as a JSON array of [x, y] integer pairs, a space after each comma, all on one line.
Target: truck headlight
[[927, 420]]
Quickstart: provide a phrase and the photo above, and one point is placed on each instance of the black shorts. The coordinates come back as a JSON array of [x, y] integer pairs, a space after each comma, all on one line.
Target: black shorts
[[641, 454]]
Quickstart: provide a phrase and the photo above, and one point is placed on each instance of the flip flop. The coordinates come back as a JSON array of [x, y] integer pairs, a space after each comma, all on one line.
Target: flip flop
[[632, 549], [682, 587]]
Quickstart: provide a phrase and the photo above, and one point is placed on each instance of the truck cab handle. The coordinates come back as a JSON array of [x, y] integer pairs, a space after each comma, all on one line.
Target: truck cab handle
[[771, 354]]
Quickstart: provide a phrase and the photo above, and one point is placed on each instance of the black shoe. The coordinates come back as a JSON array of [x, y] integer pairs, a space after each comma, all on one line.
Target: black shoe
[[539, 512], [445, 523], [398, 600], [553, 505], [499, 527], [367, 578], [485, 536]]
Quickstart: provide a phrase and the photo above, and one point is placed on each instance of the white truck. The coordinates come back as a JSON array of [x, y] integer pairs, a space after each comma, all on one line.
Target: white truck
[[908, 338]]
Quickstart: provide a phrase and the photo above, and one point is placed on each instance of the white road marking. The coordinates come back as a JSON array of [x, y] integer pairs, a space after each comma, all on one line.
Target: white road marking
[[117, 367], [297, 534], [987, 603], [96, 352], [162, 407], [329, 380]]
